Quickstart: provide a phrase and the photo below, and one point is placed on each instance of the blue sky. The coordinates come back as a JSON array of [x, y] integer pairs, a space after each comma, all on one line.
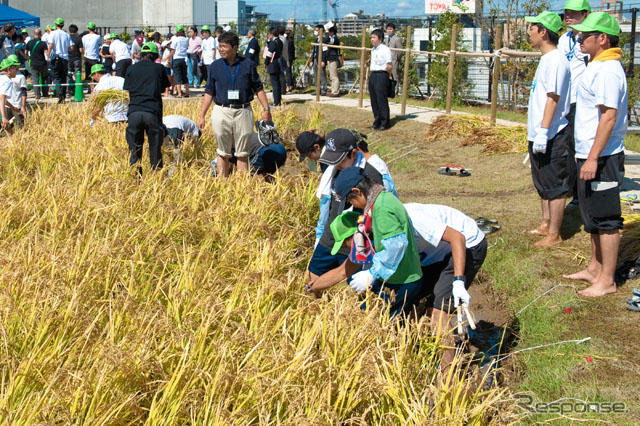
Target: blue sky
[[312, 9]]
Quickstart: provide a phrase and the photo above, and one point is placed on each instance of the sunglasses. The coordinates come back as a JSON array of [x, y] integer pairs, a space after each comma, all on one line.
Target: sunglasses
[[585, 36]]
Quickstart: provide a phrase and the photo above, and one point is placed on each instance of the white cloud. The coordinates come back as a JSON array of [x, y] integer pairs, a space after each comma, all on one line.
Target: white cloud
[[403, 5]]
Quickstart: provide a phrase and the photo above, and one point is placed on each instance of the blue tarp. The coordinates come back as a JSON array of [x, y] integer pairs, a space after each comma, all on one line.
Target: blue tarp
[[19, 18]]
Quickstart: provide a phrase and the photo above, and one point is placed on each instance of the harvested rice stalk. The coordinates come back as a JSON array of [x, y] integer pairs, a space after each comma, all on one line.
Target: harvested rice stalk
[[477, 130], [630, 242], [110, 95]]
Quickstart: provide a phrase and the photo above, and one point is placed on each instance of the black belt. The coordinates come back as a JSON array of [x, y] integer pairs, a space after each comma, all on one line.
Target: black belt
[[373, 72], [235, 106]]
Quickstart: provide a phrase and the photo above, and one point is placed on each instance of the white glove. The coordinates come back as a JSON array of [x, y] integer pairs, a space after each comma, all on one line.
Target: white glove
[[315, 245], [360, 281], [540, 141], [91, 123], [460, 294]]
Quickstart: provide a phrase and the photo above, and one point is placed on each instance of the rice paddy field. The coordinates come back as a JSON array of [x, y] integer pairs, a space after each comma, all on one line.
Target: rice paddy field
[[127, 300]]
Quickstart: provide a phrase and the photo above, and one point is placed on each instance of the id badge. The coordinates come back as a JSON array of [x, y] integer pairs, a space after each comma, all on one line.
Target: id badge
[[233, 95]]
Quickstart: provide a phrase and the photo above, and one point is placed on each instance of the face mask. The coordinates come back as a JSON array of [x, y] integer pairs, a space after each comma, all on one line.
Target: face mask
[[315, 33]]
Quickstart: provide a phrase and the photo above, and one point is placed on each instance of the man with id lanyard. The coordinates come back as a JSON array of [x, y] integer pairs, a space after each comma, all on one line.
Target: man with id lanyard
[[233, 81]]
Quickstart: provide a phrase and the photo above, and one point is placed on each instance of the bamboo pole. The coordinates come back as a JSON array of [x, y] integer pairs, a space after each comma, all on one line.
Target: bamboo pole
[[452, 62], [319, 67], [363, 54], [496, 76], [405, 74], [415, 52]]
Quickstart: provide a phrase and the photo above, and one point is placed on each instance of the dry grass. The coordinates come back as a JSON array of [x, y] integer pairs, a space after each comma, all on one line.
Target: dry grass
[[630, 242], [180, 300], [475, 130]]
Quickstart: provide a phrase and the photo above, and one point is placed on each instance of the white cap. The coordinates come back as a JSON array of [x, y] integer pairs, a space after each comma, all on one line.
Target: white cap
[[227, 28], [165, 43], [328, 25]]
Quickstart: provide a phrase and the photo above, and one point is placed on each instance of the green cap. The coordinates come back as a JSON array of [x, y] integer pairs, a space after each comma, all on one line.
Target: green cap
[[149, 47], [206, 28], [24, 31], [113, 35], [550, 20], [577, 5], [59, 21], [91, 25], [343, 227], [179, 28], [97, 68], [9, 61], [599, 21]]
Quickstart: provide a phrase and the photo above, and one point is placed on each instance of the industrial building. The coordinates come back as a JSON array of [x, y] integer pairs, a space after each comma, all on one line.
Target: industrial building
[[131, 14]]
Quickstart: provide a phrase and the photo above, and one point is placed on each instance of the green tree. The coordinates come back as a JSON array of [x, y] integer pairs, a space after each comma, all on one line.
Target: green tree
[[438, 72]]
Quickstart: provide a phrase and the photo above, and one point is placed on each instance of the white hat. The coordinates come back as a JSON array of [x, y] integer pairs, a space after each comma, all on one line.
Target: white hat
[[107, 36], [165, 43], [328, 25], [227, 28]]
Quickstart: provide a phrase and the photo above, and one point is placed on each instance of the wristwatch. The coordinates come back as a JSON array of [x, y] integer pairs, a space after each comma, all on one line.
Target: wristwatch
[[268, 108], [460, 278]]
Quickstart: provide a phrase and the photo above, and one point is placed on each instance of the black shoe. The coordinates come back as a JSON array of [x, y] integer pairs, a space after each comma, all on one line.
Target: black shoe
[[60, 100]]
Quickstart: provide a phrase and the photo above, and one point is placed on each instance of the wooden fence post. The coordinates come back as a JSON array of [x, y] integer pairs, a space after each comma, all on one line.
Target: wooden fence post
[[319, 68], [496, 76], [405, 74], [363, 56], [452, 62]]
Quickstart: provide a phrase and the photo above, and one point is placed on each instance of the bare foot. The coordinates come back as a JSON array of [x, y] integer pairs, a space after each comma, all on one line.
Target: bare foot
[[584, 275], [598, 290], [549, 241], [543, 229]]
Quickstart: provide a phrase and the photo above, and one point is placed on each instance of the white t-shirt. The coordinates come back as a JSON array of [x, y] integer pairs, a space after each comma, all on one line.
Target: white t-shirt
[[6, 86], [208, 49], [113, 111], [380, 57], [429, 223], [215, 45], [577, 64], [61, 42], [92, 43], [180, 44], [182, 123], [19, 83], [603, 83], [324, 188], [165, 57], [120, 50], [552, 76]]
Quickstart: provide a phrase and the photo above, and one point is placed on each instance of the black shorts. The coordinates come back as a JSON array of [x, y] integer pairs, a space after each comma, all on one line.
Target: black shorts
[[550, 171], [600, 198], [180, 71], [437, 278], [121, 67]]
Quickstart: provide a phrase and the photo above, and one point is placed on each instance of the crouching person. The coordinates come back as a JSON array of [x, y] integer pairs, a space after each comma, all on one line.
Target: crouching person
[[452, 249], [383, 238]]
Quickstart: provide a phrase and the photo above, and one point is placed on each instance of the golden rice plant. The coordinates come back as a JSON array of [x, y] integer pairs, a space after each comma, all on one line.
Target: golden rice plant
[[630, 242], [180, 301], [476, 130], [99, 100]]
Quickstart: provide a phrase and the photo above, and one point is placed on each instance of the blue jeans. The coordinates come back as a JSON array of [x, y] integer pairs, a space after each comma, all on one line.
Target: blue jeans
[[193, 72], [269, 159], [401, 297]]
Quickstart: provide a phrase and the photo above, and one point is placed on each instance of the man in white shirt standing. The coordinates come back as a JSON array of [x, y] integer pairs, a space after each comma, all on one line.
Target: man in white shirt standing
[[601, 123], [379, 83], [121, 55], [575, 11], [60, 44], [208, 50], [91, 43], [179, 46], [547, 126], [114, 111]]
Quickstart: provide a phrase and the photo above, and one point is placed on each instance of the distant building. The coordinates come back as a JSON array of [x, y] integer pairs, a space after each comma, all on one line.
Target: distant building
[[133, 14], [353, 23]]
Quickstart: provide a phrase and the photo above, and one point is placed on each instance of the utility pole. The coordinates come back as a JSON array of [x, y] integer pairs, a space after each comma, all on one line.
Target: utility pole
[[634, 13]]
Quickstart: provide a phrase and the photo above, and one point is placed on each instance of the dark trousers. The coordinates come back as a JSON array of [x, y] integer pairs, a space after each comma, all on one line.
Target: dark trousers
[[140, 122], [572, 168], [60, 70], [276, 87], [88, 63], [40, 76], [378, 91], [203, 72], [121, 67]]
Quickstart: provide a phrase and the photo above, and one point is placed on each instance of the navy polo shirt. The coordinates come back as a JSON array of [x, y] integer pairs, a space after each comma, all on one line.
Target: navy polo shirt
[[242, 73]]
